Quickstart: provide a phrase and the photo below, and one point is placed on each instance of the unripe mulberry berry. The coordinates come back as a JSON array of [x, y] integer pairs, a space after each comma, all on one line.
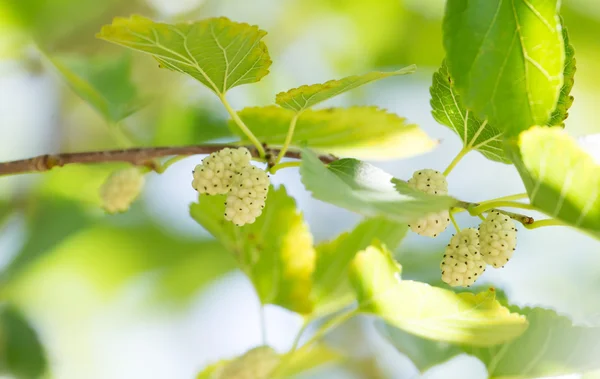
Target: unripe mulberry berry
[[429, 181], [120, 189], [247, 196], [462, 264], [217, 172], [432, 224], [498, 236]]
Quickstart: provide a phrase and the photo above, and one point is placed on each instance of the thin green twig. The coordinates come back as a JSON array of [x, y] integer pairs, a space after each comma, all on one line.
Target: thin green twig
[[544, 223], [486, 206], [288, 138], [280, 166], [454, 222]]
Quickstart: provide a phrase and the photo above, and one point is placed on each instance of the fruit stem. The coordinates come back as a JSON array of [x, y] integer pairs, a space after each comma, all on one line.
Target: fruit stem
[[279, 166], [288, 138], [169, 162], [543, 223], [518, 196], [454, 222], [479, 209], [236, 118], [456, 159]]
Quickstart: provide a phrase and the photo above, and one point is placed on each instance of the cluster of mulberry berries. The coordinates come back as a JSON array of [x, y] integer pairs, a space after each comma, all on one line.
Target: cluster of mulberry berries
[[229, 172], [470, 250]]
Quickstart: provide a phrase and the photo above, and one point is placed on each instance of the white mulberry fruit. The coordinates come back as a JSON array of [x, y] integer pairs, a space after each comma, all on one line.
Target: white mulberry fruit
[[217, 172], [120, 189], [247, 196], [462, 264], [498, 236], [429, 181], [432, 224]]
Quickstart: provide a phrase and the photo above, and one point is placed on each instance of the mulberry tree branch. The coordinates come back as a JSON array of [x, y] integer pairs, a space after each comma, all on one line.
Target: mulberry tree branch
[[142, 156], [523, 219]]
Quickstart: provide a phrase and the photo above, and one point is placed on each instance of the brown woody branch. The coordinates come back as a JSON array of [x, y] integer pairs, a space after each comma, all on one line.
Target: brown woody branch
[[142, 156]]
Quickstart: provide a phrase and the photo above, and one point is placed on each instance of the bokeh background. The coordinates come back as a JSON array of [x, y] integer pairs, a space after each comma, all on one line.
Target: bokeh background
[[148, 294]]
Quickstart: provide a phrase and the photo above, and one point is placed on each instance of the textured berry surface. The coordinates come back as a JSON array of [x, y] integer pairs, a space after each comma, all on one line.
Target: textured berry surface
[[463, 264], [432, 224], [429, 181], [120, 189], [217, 172], [257, 363], [498, 236], [247, 196]]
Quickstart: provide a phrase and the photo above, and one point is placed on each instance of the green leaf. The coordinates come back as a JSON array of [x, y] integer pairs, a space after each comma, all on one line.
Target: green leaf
[[103, 82], [331, 288], [218, 52], [21, 352], [449, 110], [506, 58], [366, 189], [562, 180], [257, 363], [276, 251], [551, 346], [304, 97], [309, 357], [427, 311], [360, 132], [565, 100]]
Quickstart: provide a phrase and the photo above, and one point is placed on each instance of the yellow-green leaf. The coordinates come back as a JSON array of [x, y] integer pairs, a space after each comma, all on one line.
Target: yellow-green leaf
[[427, 311], [331, 288], [218, 52], [276, 251], [301, 98], [359, 132], [562, 179], [307, 358]]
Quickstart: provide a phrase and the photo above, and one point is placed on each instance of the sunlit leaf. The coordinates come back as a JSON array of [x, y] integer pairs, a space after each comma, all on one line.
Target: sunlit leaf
[[565, 100], [309, 357], [448, 110], [304, 97], [21, 352], [360, 132], [276, 251], [551, 346], [365, 189], [506, 58], [218, 52], [331, 288], [427, 311], [257, 363], [562, 180], [104, 82]]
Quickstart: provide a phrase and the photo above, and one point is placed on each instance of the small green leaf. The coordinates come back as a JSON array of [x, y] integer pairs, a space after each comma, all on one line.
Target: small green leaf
[[365, 189], [276, 251], [360, 132], [448, 110], [218, 52], [506, 58], [304, 97], [21, 352], [331, 288], [562, 180], [104, 82], [565, 100], [427, 311], [551, 346]]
